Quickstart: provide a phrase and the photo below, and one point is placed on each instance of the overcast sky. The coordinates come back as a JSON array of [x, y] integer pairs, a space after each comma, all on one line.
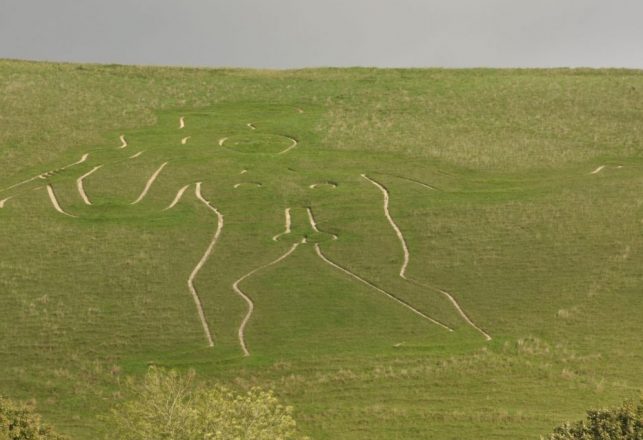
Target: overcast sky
[[303, 33]]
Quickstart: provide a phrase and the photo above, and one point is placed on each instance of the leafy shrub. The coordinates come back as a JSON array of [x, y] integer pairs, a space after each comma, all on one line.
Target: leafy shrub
[[170, 405], [19, 421], [623, 423]]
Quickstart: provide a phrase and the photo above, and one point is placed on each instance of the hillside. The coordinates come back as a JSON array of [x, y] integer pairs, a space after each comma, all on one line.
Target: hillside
[[398, 253]]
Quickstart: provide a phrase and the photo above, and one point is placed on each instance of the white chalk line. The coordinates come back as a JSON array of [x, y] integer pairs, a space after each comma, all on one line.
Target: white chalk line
[[204, 258], [317, 185], [179, 194], [293, 144], [602, 167], [243, 171], [54, 201], [83, 158], [81, 188], [149, 183], [455, 304], [247, 299], [257, 184], [393, 224], [44, 175], [419, 183], [407, 257], [181, 122], [288, 224], [311, 219], [313, 222], [415, 181], [134, 156], [3, 201], [123, 142], [389, 295], [185, 140], [598, 170], [251, 126], [23, 182]]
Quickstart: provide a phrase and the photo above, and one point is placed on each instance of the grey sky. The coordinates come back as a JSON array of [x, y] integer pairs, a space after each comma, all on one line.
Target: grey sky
[[301, 33]]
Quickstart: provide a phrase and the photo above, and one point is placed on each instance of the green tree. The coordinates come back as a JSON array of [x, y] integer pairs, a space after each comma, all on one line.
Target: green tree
[[173, 406], [19, 421], [622, 423]]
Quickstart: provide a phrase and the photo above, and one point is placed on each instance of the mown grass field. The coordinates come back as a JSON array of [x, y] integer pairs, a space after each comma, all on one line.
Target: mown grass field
[[539, 252]]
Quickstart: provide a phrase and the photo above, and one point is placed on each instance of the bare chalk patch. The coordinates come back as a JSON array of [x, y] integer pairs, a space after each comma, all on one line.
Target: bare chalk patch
[[603, 167], [317, 185], [459, 309], [43, 176], [81, 188], [405, 248], [287, 225], [54, 201], [313, 222], [178, 196], [293, 144], [149, 183]]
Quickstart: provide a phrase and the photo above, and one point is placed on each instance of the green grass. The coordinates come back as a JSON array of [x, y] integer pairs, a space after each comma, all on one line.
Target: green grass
[[543, 255]]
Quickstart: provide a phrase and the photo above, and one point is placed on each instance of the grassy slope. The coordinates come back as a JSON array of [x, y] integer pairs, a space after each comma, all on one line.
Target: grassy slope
[[543, 255]]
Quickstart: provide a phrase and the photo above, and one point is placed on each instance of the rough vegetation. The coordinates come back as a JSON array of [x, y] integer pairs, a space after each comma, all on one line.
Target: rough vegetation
[[20, 421], [170, 405], [622, 423]]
